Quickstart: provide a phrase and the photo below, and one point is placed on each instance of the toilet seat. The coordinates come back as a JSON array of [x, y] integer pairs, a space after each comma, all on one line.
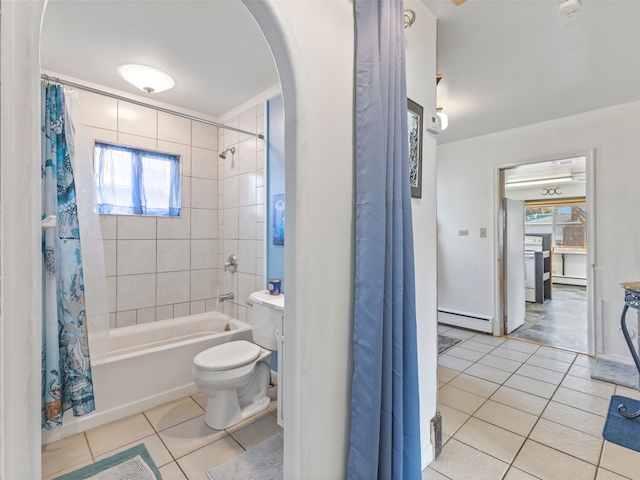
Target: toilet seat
[[227, 355]]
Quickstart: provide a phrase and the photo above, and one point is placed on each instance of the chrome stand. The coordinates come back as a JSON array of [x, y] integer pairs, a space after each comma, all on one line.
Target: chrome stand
[[631, 299]]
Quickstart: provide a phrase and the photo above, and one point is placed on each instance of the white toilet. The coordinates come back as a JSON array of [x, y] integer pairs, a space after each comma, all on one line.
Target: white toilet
[[235, 376]]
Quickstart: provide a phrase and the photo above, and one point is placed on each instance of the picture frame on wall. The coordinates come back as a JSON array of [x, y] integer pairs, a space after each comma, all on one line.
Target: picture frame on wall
[[414, 119]]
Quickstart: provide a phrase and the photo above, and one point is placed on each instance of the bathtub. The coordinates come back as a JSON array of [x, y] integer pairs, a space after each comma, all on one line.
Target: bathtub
[[148, 365]]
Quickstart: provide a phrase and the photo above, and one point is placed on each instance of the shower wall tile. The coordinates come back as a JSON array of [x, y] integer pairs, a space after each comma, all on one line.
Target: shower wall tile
[[204, 254], [110, 257], [135, 291], [136, 120], [204, 223], [247, 189], [260, 125], [260, 177], [230, 192], [246, 286], [247, 252], [247, 155], [173, 287], [174, 129], [146, 315], [108, 226], [136, 228], [137, 141], [112, 320], [204, 193], [184, 151], [185, 192], [230, 223], [181, 309], [112, 290], [203, 284], [136, 257], [165, 312], [204, 135], [173, 255], [204, 163], [230, 137], [198, 307], [211, 305], [247, 223], [247, 121], [175, 227], [126, 319], [98, 110], [100, 135], [260, 156]]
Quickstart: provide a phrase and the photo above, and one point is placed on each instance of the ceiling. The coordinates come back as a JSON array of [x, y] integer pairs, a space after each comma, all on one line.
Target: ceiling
[[505, 63], [575, 168], [509, 63], [213, 49]]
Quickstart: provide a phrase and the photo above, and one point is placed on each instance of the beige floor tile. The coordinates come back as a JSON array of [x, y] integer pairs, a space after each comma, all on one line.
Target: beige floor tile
[[492, 440], [488, 373], [173, 413], [620, 460], [580, 371], [500, 363], [119, 433], [607, 475], [572, 442], [542, 374], [585, 361], [201, 399], [452, 420], [556, 354], [575, 418], [509, 354], [628, 392], [462, 461], [248, 421], [189, 436], [519, 346], [465, 353], [583, 401], [257, 432], [460, 333], [196, 464], [459, 399], [479, 347], [515, 474], [70, 469], [489, 339], [445, 374], [453, 363], [475, 385], [155, 447], [430, 474], [592, 387], [506, 417], [529, 385], [443, 328], [520, 400], [549, 363], [549, 464], [65, 453], [171, 471], [440, 385]]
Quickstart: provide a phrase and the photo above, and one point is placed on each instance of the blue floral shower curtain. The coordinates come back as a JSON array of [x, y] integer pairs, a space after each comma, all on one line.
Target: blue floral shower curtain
[[385, 413], [66, 370]]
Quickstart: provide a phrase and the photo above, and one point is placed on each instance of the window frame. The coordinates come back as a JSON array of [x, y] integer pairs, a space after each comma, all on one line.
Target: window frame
[[554, 205]]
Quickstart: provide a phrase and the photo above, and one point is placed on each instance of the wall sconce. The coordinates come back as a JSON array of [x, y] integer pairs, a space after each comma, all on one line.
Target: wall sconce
[[409, 18], [149, 79], [444, 118]]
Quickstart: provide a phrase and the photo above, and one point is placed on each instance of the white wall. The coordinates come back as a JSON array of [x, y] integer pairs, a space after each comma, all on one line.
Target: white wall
[[466, 189], [420, 43]]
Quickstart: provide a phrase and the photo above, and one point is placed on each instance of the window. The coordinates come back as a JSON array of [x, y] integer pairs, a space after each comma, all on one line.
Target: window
[[131, 181], [566, 220]]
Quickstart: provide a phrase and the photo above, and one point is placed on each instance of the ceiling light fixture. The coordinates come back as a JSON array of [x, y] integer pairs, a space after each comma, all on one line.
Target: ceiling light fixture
[[541, 181], [444, 118], [148, 79]]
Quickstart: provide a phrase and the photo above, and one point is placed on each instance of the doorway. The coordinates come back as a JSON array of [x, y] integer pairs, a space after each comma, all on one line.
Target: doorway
[[555, 232]]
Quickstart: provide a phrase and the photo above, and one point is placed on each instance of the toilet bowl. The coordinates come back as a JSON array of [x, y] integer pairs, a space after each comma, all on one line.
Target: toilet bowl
[[235, 376]]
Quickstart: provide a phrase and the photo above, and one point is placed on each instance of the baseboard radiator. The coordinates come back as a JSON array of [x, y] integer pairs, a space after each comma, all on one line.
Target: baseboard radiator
[[473, 321]]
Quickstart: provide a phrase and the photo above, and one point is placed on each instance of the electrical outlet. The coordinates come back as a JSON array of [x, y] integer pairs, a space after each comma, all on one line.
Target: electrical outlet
[[463, 233], [483, 232]]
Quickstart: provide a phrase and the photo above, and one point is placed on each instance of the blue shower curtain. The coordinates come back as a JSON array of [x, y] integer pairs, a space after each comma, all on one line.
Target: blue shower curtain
[[385, 416], [66, 371]]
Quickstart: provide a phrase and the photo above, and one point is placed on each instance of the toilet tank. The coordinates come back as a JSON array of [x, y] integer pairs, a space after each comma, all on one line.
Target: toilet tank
[[263, 317]]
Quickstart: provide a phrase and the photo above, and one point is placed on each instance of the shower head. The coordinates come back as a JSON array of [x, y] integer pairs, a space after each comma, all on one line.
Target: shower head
[[223, 154]]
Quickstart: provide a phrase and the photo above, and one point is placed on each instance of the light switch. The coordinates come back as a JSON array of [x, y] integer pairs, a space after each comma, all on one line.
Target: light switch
[[463, 233], [483, 232]]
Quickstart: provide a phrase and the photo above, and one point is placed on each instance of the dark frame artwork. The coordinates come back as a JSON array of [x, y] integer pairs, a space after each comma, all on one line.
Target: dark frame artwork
[[414, 119]]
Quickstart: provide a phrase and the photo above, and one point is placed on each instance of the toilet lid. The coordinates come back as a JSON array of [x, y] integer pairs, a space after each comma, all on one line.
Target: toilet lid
[[227, 355]]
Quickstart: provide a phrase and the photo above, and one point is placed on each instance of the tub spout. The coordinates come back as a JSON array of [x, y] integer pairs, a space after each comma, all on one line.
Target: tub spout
[[226, 296]]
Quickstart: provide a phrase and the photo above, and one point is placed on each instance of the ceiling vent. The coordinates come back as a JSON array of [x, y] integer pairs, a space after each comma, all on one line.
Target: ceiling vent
[[568, 8]]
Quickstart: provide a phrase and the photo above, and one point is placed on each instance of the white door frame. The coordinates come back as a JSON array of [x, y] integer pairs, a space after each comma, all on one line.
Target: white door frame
[[594, 331]]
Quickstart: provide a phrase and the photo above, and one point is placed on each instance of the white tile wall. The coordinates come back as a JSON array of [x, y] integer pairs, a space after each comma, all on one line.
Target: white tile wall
[[161, 268]]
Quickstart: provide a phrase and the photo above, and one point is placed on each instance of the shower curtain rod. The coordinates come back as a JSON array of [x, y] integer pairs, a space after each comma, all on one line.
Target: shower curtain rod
[[48, 78]]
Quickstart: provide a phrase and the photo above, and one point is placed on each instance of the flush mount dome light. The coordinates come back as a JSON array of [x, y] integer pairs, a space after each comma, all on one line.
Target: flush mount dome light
[[149, 79]]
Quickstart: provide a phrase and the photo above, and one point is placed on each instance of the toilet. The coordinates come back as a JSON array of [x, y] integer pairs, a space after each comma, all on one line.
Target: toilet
[[235, 376]]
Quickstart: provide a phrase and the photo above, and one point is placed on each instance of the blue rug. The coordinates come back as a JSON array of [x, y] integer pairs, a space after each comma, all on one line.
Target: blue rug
[[620, 430], [134, 463]]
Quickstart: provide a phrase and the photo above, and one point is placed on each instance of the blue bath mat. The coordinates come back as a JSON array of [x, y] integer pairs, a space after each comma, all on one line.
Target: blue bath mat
[[620, 430]]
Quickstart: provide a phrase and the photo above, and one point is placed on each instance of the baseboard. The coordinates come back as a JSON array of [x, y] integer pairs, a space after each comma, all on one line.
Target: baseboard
[[456, 318], [72, 425]]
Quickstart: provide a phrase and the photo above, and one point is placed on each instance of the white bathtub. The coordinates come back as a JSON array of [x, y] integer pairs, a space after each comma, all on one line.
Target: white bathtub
[[148, 365]]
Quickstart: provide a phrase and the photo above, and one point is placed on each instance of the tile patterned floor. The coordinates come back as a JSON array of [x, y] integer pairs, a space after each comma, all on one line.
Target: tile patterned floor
[[180, 443], [520, 411], [559, 322]]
